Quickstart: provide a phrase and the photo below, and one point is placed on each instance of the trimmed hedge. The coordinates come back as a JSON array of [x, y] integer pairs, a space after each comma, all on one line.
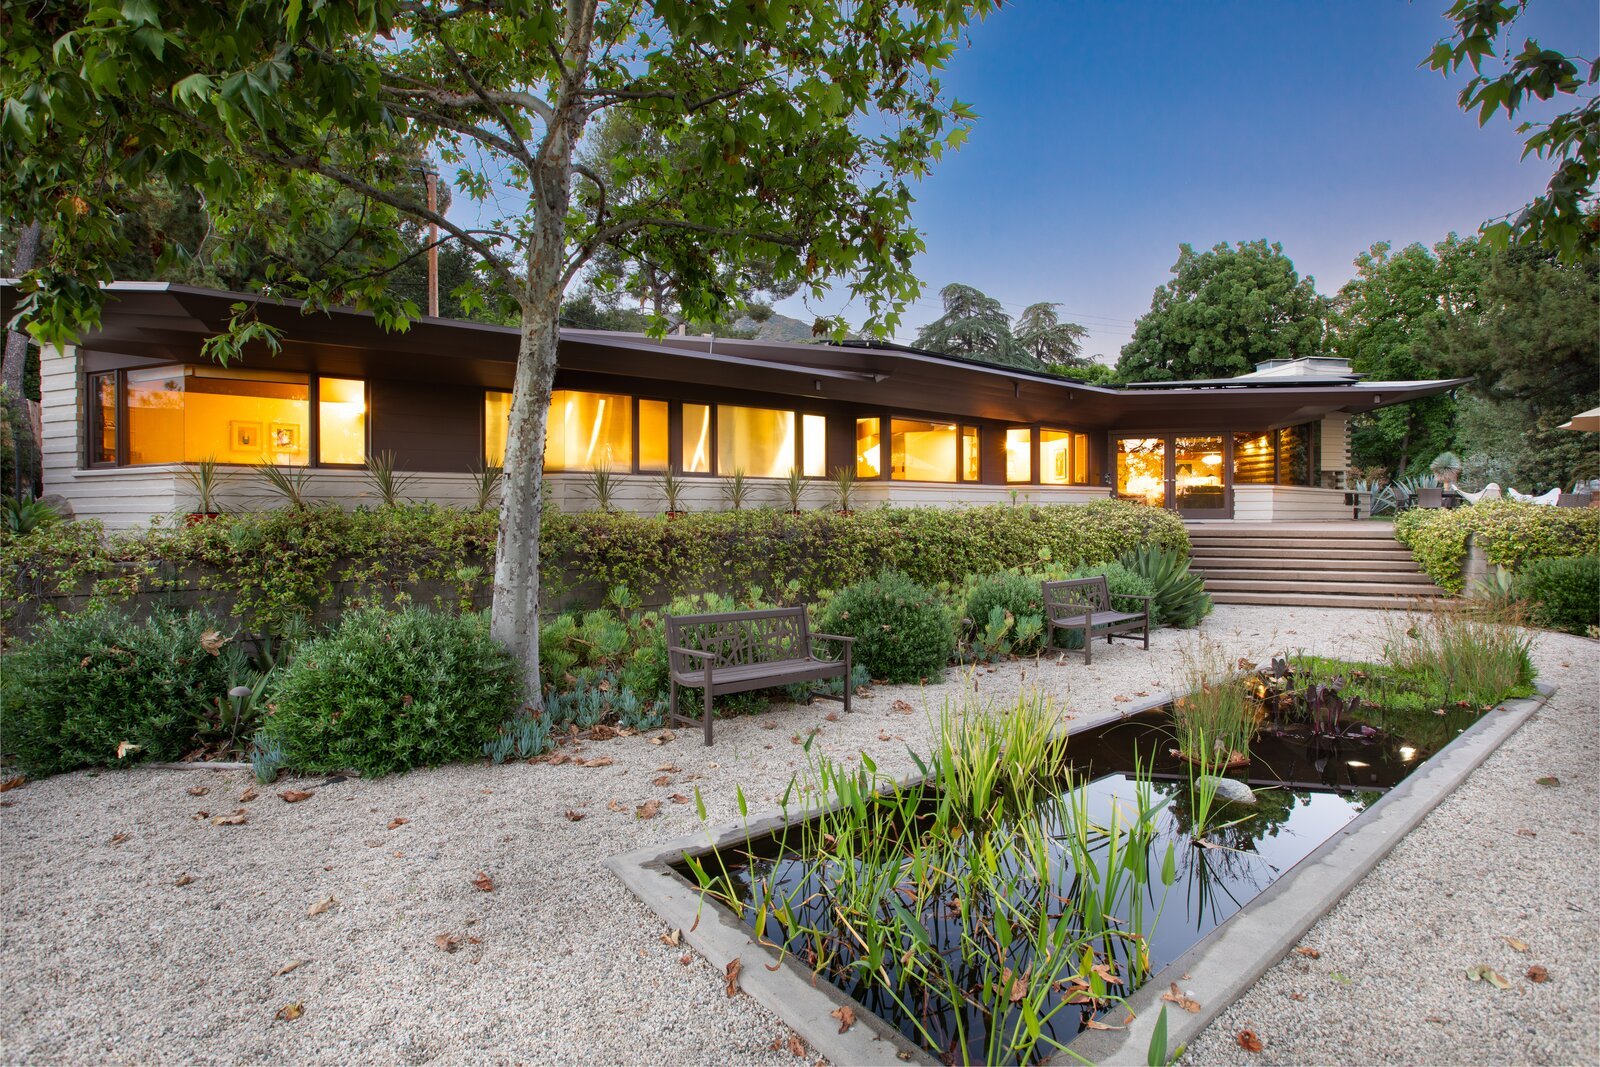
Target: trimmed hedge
[[277, 565], [1563, 593], [1509, 533]]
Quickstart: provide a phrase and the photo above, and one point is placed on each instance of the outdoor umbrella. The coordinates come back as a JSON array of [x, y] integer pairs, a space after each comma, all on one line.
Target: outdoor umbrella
[[1589, 420]]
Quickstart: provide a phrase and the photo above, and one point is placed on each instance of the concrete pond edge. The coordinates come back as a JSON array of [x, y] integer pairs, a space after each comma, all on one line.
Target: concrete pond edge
[[1220, 967]]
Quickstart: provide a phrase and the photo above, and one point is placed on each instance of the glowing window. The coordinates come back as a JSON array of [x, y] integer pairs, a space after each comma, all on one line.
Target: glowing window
[[923, 451], [1141, 469], [869, 442], [757, 441], [1254, 459], [496, 424], [1019, 454], [813, 446], [341, 420], [103, 418], [697, 438], [589, 431], [1063, 457], [970, 454], [653, 435], [192, 413]]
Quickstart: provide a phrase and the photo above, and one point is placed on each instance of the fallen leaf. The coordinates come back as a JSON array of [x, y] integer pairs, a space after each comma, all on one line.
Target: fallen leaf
[[198, 790], [117, 839], [290, 1012], [1297, 996], [483, 882], [1515, 942], [448, 942], [237, 818], [1120, 699], [1549, 779], [248, 795], [846, 1016], [1249, 1041], [16, 781], [212, 641], [1096, 1024], [320, 906], [184, 879], [903, 708], [292, 965], [668, 768], [1019, 988], [672, 937], [685, 958], [616, 805], [126, 747], [1176, 996], [832, 716], [1308, 952], [648, 810], [294, 796], [573, 816], [678, 798], [662, 738], [1525, 832], [556, 759], [474, 940], [597, 761], [731, 976], [665, 779], [201, 816], [395, 824], [797, 1047], [1482, 972], [1537, 974]]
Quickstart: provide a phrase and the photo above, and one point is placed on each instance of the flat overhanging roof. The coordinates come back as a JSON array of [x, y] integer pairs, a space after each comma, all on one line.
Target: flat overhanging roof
[[165, 322]]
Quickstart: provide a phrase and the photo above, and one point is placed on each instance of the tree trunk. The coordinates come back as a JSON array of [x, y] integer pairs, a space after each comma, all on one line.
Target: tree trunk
[[13, 368], [16, 357]]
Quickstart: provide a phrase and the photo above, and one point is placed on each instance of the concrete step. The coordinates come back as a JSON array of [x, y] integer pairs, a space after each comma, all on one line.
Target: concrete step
[[1278, 544], [1353, 579], [1317, 600], [1380, 530], [1334, 586], [1200, 552], [1299, 563]]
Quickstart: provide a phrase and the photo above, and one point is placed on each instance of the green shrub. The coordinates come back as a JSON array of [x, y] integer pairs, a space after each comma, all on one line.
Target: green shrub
[[904, 632], [387, 692], [87, 683], [1018, 628], [1510, 534], [1563, 593], [1181, 599]]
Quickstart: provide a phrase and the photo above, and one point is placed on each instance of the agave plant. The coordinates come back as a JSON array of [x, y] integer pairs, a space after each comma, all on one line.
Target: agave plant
[[1181, 597], [386, 480], [20, 515]]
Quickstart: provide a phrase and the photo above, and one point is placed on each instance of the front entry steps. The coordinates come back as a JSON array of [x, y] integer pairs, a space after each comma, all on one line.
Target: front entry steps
[[1333, 565]]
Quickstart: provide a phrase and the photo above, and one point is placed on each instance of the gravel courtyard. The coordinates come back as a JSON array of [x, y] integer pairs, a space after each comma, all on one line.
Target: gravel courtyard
[[135, 930]]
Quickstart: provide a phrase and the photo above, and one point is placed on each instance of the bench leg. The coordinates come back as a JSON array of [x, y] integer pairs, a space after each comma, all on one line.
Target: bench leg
[[706, 714], [1088, 645], [847, 674], [672, 703]]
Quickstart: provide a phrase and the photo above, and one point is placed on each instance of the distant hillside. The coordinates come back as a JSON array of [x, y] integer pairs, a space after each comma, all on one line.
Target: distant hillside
[[777, 328]]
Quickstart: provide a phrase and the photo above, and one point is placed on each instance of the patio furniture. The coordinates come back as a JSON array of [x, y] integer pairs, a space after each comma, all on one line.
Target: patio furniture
[[737, 651], [1575, 500], [1430, 496], [1084, 605]]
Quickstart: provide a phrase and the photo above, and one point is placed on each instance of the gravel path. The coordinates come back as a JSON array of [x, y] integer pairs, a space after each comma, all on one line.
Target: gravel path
[[106, 958]]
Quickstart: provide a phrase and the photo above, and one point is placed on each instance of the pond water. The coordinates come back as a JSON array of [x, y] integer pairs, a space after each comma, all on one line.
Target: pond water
[[1308, 788]]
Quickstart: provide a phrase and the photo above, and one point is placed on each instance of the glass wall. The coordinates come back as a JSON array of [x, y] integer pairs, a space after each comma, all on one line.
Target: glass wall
[[1063, 457], [653, 435], [102, 446], [1254, 459], [1141, 469], [1197, 474], [971, 454], [813, 446], [192, 413], [341, 421], [923, 451], [1019, 454], [869, 448], [758, 441], [697, 438], [1294, 455]]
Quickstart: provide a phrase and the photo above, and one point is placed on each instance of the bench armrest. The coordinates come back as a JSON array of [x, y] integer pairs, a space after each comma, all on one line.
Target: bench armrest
[[833, 637], [1052, 612], [694, 652]]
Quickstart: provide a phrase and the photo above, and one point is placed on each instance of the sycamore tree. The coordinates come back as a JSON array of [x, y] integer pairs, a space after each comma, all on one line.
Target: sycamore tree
[[790, 131]]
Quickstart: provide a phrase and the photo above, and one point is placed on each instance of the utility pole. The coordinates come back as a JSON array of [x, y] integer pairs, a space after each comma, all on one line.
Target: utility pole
[[432, 178]]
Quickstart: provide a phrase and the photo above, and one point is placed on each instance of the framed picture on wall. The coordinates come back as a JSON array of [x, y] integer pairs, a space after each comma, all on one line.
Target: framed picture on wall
[[285, 437], [1061, 465], [246, 436]]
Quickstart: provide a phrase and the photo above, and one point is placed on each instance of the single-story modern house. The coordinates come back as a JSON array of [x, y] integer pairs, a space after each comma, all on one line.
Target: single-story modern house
[[128, 407]]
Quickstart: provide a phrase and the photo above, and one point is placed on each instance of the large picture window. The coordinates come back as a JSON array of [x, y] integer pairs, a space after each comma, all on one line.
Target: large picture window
[[1019, 454], [869, 448], [758, 441], [924, 451], [341, 421], [1063, 457], [102, 419], [191, 413], [697, 438]]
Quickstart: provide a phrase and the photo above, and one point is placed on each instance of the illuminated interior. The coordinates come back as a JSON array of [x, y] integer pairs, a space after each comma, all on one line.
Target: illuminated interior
[[1197, 473], [341, 420], [653, 435], [1063, 457], [1019, 454], [103, 419], [697, 438], [923, 451], [970, 455], [1141, 469], [1254, 461], [496, 424], [192, 413], [757, 441], [589, 431], [813, 446], [869, 444]]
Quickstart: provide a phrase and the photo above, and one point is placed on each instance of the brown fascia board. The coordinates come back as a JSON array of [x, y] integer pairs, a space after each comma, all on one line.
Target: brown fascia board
[[167, 321]]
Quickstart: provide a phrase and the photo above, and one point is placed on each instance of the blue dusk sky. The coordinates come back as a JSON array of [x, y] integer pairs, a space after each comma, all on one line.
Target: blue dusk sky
[[1111, 132]]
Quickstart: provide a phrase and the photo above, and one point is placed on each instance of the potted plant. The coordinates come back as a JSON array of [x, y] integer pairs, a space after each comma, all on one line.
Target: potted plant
[[205, 481]]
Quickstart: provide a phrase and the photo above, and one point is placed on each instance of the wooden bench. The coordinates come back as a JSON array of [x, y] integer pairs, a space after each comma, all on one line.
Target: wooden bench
[[1084, 605], [737, 651]]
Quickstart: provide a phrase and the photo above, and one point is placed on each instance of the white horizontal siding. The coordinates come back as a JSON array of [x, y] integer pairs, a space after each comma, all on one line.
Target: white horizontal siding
[[1288, 503]]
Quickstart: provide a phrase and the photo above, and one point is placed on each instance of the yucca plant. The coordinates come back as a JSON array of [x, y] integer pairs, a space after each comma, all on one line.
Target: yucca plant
[[844, 484], [205, 479], [292, 484], [601, 488], [671, 488], [1446, 466], [1181, 599], [794, 490], [486, 482], [388, 482], [735, 491]]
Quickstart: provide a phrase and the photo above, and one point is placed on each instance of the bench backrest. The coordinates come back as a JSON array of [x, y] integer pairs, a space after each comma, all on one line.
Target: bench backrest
[[736, 637], [1091, 592]]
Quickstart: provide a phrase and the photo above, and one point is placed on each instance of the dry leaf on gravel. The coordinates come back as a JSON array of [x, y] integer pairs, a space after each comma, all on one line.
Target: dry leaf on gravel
[[672, 937], [448, 942], [1482, 972], [1537, 974], [1297, 996], [395, 824], [665, 779], [1549, 779], [483, 882], [320, 906], [117, 839], [597, 761], [685, 958], [292, 965], [237, 818], [846, 1016], [1121, 699], [797, 1047], [126, 747], [1525, 832], [678, 798], [616, 805], [184, 879], [1249, 1041], [832, 716], [1308, 952], [290, 1012], [1515, 942], [294, 796], [1176, 996], [248, 795], [903, 708], [662, 738], [730, 976], [648, 810], [574, 816], [16, 781], [668, 768], [198, 790]]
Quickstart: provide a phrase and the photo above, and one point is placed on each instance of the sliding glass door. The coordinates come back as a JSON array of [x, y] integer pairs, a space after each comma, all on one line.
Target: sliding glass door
[[1187, 473]]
